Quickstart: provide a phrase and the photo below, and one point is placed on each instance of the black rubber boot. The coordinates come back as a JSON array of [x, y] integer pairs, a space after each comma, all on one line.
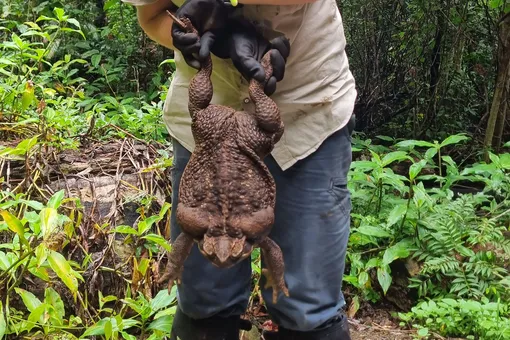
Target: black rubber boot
[[336, 329], [214, 328]]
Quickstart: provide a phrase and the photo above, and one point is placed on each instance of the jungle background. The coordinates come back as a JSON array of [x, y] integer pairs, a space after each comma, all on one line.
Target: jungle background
[[85, 162]]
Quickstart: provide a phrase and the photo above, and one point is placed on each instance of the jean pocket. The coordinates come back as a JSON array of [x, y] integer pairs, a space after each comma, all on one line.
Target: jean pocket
[[339, 190]]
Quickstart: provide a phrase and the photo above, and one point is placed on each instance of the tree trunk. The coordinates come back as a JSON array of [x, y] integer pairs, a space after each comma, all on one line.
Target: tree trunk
[[497, 117]]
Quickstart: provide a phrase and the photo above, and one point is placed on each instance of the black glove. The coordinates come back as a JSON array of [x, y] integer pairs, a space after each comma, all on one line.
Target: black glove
[[246, 49], [206, 16]]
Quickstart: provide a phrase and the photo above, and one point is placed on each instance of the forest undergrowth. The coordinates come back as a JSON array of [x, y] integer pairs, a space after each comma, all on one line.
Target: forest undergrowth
[[430, 219]]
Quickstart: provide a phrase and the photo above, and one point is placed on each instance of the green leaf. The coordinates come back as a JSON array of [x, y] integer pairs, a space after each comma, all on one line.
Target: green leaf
[[41, 254], [14, 225], [396, 214], [454, 140], [108, 329], [163, 299], [431, 153], [393, 157], [125, 229], [95, 59], [384, 278], [373, 231], [74, 22], [98, 328], [504, 161], [159, 240], [363, 165], [4, 261], [52, 298], [415, 169], [59, 12], [56, 200], [411, 143], [163, 324], [401, 250], [3, 324], [423, 332], [64, 271], [49, 221], [363, 278], [29, 299], [36, 316]]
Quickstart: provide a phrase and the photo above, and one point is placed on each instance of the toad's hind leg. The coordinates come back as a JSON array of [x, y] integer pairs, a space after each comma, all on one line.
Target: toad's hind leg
[[181, 249], [273, 258]]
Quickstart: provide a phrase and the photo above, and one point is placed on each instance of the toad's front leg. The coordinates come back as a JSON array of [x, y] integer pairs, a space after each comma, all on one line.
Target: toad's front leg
[[273, 258], [181, 249]]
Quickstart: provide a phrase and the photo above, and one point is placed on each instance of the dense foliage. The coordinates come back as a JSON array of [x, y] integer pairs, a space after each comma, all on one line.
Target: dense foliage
[[430, 221]]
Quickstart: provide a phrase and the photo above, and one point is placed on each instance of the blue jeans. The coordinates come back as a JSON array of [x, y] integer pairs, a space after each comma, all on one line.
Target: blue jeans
[[312, 220]]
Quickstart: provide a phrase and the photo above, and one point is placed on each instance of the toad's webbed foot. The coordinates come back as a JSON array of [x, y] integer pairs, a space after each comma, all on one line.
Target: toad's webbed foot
[[273, 258], [180, 252]]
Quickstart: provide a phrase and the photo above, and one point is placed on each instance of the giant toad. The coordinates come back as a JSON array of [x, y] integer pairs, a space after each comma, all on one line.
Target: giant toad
[[227, 194]]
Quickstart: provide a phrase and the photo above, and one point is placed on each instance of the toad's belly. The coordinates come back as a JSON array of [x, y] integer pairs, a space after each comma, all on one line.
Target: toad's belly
[[223, 185]]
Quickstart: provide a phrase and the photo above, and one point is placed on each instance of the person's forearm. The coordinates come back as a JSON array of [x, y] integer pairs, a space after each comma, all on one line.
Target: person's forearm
[[156, 23]]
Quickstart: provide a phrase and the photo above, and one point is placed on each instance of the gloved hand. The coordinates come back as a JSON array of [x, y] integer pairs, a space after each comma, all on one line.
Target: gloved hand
[[206, 16], [246, 49]]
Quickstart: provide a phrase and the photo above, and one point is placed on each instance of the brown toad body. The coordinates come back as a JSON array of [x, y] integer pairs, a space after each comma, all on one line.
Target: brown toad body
[[227, 194]]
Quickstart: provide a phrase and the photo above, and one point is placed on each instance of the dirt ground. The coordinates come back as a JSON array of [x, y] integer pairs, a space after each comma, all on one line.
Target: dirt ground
[[358, 332]]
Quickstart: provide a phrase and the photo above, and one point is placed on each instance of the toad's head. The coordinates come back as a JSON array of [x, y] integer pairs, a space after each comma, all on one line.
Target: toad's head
[[225, 251]]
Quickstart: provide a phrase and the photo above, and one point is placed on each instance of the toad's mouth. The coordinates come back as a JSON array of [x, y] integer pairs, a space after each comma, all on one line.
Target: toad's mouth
[[225, 251]]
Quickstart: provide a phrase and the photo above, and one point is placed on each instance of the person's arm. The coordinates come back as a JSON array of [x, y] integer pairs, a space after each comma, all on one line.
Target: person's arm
[[156, 23], [275, 2]]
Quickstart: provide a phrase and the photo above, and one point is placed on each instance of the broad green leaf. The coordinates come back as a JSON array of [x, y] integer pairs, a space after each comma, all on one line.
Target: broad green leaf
[[163, 324], [363, 278], [143, 266], [52, 298], [37, 316], [396, 214], [74, 22], [400, 250], [411, 142], [108, 329], [127, 336], [372, 263], [163, 299], [384, 278], [125, 229], [41, 254], [59, 12], [454, 140], [29, 299], [423, 332], [364, 165], [4, 262], [159, 240], [98, 328], [49, 221], [32, 204], [95, 59], [431, 153], [64, 271], [373, 231], [393, 157], [415, 169], [14, 225], [504, 160], [3, 324], [507, 145], [56, 200]]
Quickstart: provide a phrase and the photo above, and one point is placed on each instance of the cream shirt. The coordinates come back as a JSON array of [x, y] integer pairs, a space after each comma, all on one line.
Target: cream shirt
[[316, 97]]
